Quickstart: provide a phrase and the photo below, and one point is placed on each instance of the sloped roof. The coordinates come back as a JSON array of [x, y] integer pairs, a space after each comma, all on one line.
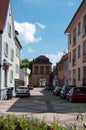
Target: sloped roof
[[42, 60], [3, 13]]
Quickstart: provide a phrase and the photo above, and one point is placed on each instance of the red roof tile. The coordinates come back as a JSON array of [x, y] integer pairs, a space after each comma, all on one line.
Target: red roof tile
[[3, 12]]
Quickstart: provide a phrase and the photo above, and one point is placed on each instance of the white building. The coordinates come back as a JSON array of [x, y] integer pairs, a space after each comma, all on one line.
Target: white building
[[8, 45], [24, 75]]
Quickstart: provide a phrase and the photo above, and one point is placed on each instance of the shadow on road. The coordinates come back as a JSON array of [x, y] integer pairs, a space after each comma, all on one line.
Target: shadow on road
[[46, 102]]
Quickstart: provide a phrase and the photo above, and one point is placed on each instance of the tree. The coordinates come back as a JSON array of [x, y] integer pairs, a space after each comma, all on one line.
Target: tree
[[25, 63]]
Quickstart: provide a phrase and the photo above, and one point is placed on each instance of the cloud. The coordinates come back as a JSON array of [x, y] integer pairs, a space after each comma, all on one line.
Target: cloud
[[27, 32], [54, 58], [71, 4], [40, 25], [30, 50]]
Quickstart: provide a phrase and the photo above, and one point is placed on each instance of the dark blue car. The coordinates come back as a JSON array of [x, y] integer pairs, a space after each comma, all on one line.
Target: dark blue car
[[65, 90]]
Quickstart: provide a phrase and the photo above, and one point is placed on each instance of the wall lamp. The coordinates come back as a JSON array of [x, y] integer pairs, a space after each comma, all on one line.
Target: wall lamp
[[4, 65]]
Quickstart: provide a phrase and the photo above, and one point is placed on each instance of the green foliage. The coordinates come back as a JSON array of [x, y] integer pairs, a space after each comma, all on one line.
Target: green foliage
[[8, 122], [23, 121], [25, 63], [12, 122]]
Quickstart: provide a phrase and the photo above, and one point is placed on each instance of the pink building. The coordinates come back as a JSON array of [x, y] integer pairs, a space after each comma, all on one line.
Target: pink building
[[77, 47], [41, 70]]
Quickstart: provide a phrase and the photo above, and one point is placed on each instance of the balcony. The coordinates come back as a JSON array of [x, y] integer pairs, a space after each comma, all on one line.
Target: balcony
[[84, 82], [84, 31], [74, 62]]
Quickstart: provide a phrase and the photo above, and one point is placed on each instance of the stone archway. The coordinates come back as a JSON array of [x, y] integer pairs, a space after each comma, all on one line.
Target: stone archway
[[42, 81]]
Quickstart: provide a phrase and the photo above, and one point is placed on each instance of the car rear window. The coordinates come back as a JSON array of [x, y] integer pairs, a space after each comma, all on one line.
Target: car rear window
[[80, 90], [22, 87]]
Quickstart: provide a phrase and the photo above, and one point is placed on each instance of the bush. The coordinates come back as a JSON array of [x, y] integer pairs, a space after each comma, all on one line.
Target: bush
[[12, 122]]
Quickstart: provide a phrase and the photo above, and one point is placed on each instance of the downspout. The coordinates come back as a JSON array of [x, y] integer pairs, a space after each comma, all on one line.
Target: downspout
[[0, 60]]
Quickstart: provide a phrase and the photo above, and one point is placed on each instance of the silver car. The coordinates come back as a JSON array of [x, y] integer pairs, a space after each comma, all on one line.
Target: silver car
[[22, 91]]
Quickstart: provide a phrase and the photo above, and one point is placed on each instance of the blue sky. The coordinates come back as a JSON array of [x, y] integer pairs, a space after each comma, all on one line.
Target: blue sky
[[41, 25]]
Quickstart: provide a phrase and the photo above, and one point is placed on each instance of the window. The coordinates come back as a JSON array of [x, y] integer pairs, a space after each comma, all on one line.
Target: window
[[74, 74], [84, 26], [11, 76], [47, 70], [17, 69], [78, 73], [12, 55], [69, 75], [78, 51], [79, 28], [41, 69], [9, 30], [84, 75], [70, 57], [84, 48], [6, 49], [84, 21], [74, 57], [36, 69], [17, 51], [69, 38], [74, 77], [74, 36]]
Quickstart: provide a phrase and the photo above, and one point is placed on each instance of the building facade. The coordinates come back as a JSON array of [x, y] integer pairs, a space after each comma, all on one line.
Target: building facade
[[7, 48], [62, 69], [76, 31], [41, 70], [24, 75], [17, 63]]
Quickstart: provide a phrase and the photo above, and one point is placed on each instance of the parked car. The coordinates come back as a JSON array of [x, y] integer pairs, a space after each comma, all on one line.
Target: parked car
[[48, 87], [22, 91], [65, 90], [30, 86], [77, 94], [57, 90]]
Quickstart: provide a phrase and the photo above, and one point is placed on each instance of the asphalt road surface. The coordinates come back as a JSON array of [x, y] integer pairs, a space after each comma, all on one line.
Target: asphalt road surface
[[42, 103]]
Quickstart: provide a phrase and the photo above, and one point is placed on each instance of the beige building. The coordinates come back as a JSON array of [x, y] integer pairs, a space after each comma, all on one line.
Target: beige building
[[41, 69], [77, 47]]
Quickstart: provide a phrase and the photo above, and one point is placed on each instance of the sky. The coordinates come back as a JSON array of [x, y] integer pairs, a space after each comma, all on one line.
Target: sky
[[41, 25]]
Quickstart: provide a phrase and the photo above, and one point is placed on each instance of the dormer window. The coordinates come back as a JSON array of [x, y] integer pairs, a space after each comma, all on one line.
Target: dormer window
[[9, 30]]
